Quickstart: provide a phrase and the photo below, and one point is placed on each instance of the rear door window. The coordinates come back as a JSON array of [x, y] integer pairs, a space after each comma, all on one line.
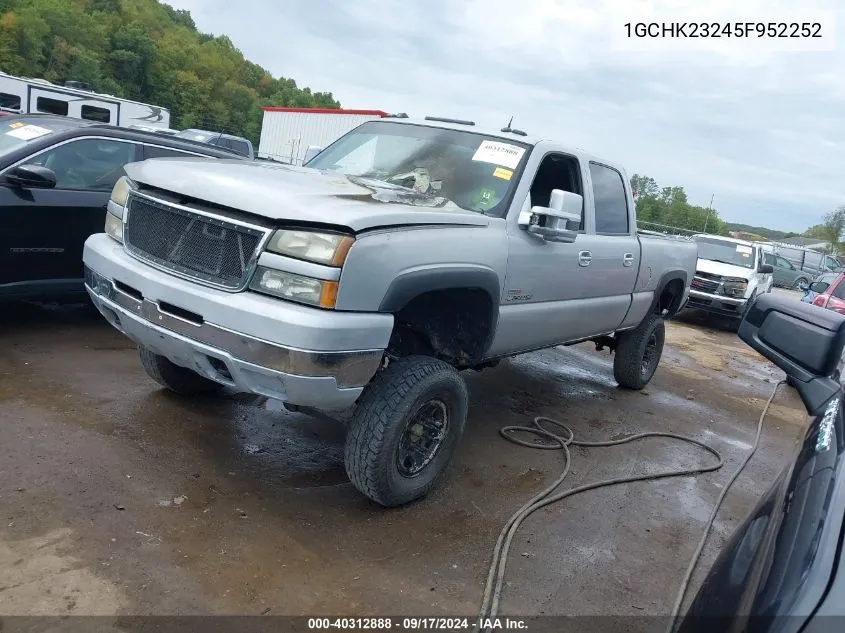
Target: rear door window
[[611, 203]]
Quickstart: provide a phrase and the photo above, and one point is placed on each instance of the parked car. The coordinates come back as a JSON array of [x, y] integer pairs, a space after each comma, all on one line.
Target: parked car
[[729, 274], [237, 144], [56, 175], [830, 294], [403, 253], [824, 280], [809, 261], [784, 274], [782, 571]]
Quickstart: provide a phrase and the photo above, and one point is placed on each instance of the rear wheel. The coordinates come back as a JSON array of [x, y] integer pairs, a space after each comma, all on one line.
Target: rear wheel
[[405, 429], [178, 379], [799, 282], [638, 353]]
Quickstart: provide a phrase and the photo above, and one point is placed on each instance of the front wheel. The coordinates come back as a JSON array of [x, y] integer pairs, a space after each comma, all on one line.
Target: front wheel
[[405, 429], [799, 282], [178, 379], [638, 353]]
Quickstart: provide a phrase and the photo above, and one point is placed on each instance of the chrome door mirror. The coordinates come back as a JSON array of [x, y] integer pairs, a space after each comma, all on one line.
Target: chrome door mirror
[[551, 223]]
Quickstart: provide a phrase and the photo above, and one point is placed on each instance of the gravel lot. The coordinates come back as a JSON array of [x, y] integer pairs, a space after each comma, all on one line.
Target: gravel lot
[[119, 498]]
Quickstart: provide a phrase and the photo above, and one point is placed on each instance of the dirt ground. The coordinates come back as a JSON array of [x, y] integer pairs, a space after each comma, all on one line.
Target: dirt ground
[[119, 498]]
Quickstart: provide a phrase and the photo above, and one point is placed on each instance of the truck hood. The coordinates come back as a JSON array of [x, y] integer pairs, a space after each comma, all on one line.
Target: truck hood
[[286, 192], [725, 270]]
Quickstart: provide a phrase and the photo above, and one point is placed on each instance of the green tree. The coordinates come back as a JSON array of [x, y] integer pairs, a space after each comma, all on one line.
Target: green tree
[[148, 51], [668, 209], [831, 229]]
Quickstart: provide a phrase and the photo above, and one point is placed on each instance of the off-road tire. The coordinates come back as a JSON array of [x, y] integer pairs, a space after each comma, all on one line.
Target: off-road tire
[[178, 379], [631, 346], [381, 416]]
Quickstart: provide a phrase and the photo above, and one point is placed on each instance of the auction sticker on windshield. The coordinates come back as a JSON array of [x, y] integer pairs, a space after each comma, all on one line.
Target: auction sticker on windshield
[[502, 154], [745, 250], [28, 132]]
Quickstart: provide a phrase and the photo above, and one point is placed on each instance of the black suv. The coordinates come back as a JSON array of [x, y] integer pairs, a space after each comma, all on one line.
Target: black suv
[[56, 175]]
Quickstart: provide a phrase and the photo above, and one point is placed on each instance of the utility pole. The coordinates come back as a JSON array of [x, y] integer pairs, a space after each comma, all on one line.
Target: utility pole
[[709, 211]]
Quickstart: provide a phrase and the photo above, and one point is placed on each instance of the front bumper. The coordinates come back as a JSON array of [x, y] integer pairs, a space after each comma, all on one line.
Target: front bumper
[[244, 340], [717, 304]]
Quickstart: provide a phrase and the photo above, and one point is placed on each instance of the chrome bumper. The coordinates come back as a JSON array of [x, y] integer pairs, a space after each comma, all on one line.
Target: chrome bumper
[[307, 378], [718, 304]]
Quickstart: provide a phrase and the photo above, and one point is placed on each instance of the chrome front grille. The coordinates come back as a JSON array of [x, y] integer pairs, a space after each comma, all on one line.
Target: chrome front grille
[[706, 282], [207, 248]]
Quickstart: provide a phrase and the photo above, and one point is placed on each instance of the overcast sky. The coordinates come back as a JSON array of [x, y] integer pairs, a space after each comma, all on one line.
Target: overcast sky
[[757, 124]]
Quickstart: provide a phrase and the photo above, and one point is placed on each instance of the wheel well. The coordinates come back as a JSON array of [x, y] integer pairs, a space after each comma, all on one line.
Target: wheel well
[[455, 325], [670, 297]]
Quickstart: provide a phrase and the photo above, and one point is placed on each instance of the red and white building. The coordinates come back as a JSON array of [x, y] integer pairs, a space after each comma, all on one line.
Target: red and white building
[[286, 133]]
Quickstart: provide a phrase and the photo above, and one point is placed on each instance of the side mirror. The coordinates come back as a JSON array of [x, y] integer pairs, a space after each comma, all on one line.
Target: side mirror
[[766, 269], [819, 287], [805, 341], [550, 222], [311, 152], [31, 177]]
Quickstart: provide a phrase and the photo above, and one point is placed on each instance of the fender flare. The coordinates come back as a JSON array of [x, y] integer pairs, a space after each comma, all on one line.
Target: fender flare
[[665, 279], [409, 285]]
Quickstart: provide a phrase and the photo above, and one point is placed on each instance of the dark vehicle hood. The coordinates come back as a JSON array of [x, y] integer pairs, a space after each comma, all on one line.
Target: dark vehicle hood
[[285, 192]]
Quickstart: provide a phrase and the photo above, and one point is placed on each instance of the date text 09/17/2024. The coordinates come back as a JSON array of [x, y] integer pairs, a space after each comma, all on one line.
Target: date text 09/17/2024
[[799, 30], [418, 624]]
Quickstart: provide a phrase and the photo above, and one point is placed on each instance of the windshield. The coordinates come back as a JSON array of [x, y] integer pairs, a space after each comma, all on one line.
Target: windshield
[[16, 132], [726, 252], [469, 169]]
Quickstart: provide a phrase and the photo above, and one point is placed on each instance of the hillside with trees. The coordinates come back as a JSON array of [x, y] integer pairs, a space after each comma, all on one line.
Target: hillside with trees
[[661, 207], [769, 234], [147, 51]]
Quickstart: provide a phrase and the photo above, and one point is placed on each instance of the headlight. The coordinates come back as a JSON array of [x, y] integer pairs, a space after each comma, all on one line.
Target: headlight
[[114, 226], [120, 192], [734, 287], [323, 248], [316, 292]]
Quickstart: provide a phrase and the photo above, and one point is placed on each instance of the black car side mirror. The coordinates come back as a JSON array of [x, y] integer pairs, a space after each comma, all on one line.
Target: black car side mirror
[[766, 269], [31, 177], [805, 341], [819, 287]]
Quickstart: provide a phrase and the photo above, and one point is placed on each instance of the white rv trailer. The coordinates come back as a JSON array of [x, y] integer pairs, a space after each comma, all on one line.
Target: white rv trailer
[[286, 133], [31, 96]]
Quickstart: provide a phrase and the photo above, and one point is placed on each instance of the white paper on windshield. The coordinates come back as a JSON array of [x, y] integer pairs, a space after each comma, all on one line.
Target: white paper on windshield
[[28, 132], [745, 250], [502, 154]]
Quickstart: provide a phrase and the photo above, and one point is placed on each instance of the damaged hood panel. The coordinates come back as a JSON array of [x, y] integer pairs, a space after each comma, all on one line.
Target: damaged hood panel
[[285, 192]]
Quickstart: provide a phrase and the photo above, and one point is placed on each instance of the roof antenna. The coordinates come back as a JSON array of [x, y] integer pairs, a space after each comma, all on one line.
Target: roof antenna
[[509, 129]]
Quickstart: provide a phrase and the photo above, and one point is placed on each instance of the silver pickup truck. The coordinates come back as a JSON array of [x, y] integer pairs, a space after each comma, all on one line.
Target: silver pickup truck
[[401, 254]]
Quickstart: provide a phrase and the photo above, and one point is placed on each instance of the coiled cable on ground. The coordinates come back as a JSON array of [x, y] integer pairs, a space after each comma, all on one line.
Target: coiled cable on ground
[[562, 440]]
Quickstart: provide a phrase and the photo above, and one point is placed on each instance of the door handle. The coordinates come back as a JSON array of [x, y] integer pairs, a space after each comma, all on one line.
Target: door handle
[[585, 258], [628, 259]]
